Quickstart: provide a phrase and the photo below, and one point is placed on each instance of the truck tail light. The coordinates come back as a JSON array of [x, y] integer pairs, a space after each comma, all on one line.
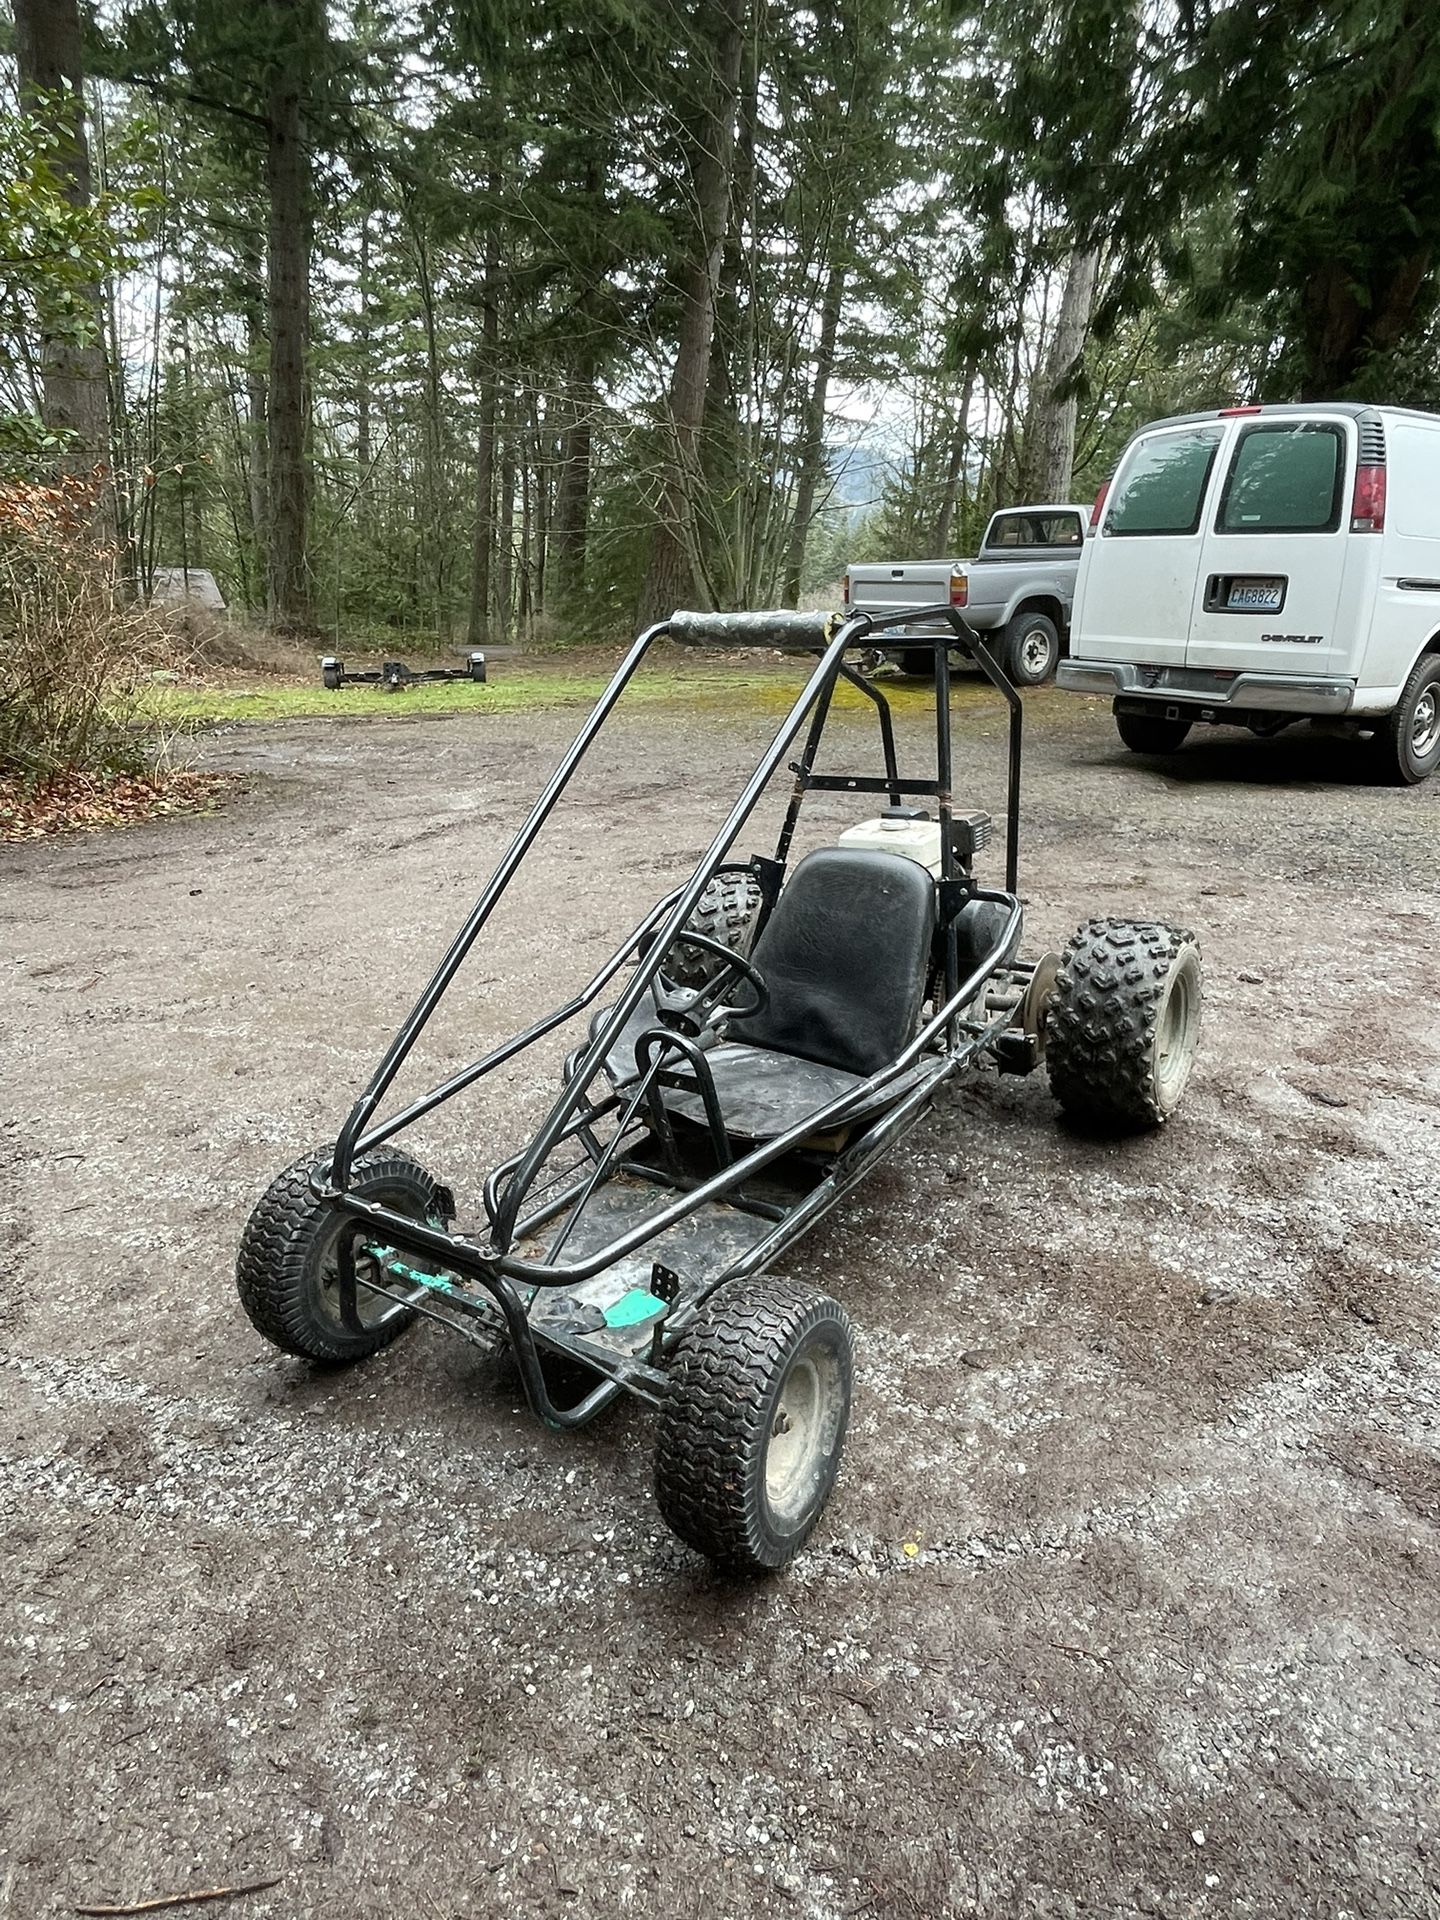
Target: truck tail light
[[845, 590], [1367, 503], [1099, 506], [959, 589], [1233, 413]]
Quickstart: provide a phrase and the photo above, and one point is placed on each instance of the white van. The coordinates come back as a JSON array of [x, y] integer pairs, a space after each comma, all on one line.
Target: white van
[[1261, 565]]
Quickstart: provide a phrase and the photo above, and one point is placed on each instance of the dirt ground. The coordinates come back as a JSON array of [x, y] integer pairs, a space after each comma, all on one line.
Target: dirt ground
[[1126, 1602]]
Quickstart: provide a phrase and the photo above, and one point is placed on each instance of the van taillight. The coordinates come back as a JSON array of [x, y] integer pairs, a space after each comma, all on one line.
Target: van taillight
[[845, 590], [1099, 505], [959, 589], [1231, 413], [1367, 504]]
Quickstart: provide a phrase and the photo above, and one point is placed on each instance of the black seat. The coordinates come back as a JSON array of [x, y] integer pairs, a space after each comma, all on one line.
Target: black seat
[[845, 954]]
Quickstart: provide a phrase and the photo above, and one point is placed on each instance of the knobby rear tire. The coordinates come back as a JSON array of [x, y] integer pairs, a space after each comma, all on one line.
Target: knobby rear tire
[[728, 911], [1123, 1023]]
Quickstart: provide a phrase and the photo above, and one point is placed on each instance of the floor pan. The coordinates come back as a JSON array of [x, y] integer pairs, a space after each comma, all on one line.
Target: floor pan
[[616, 1310]]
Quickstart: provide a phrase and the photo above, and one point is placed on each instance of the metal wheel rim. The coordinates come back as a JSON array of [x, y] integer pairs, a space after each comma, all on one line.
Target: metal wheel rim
[[368, 1306], [802, 1432], [1172, 1041], [1425, 722], [1035, 651]]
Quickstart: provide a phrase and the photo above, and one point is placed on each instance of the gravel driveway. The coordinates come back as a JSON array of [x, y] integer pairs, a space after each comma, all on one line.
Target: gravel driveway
[[1127, 1599]]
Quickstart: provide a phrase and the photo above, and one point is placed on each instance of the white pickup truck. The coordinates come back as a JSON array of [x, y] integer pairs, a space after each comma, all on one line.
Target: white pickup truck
[[1018, 589]]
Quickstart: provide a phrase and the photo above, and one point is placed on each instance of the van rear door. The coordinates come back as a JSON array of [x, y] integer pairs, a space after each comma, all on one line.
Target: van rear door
[[1138, 577], [1273, 564]]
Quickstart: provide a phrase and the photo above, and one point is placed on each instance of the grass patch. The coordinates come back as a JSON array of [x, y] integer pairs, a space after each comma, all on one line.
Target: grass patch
[[514, 692], [524, 690]]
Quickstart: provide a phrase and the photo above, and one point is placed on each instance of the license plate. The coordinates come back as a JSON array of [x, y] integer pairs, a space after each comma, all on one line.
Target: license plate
[[1255, 596]]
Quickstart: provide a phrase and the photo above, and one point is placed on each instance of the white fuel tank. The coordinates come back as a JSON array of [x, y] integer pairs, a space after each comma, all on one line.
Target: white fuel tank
[[916, 839]]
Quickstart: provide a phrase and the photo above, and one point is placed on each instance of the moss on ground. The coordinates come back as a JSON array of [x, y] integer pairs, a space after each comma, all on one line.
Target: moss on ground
[[527, 688]]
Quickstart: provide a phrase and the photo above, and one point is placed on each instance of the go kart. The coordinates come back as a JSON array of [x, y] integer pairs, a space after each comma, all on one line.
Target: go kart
[[766, 1034]]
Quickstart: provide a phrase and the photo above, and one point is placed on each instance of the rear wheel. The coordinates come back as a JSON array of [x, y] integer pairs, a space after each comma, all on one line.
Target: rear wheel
[[1031, 649], [1122, 1022], [753, 1426], [1151, 733], [1407, 742], [288, 1273], [728, 911]]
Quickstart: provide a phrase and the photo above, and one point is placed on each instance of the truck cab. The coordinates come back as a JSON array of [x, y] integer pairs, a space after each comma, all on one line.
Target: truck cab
[[1017, 591]]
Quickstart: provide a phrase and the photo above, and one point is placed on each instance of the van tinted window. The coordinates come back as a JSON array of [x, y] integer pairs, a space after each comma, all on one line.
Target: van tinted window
[[1163, 483], [1284, 478]]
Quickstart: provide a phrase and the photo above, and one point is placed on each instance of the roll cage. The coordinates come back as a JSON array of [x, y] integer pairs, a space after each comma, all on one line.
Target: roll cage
[[501, 1281]]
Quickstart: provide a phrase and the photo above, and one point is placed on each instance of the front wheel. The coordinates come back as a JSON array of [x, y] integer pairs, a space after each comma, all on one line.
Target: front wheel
[[1151, 732], [1123, 1022], [288, 1272], [1031, 649], [753, 1425], [1407, 742]]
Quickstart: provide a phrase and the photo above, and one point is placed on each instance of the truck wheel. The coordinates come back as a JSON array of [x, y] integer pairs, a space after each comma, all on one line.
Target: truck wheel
[[1407, 742], [918, 662], [728, 911], [287, 1273], [1030, 649], [753, 1424], [1123, 1022], [1150, 733]]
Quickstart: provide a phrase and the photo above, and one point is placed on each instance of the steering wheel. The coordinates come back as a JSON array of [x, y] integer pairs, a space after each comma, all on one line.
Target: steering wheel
[[695, 1008]]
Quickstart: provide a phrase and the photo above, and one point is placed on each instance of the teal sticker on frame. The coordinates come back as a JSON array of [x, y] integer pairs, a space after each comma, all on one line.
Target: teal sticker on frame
[[633, 1307]]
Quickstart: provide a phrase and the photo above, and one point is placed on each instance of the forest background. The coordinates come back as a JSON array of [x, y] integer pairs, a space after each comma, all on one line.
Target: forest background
[[490, 320]]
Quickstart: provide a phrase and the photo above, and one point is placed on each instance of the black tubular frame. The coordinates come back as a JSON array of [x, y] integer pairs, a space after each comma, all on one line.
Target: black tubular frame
[[948, 1042]]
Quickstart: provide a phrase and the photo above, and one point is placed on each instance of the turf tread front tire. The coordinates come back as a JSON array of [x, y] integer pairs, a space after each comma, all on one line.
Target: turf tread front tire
[[725, 1380], [1107, 1036], [275, 1271]]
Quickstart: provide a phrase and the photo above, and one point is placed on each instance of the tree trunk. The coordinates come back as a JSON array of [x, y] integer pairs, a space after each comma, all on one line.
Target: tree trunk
[[955, 465], [256, 405], [478, 629], [362, 369], [544, 516], [288, 312], [572, 495], [75, 390], [505, 531], [810, 463], [433, 530], [1052, 432], [1345, 322], [671, 580]]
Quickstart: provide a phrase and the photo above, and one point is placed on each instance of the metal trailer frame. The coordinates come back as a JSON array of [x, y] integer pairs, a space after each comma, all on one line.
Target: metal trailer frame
[[488, 1287], [394, 674]]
